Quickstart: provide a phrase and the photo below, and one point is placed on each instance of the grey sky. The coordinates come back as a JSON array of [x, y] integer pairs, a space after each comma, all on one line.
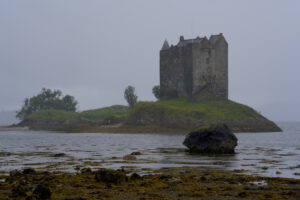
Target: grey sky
[[94, 49]]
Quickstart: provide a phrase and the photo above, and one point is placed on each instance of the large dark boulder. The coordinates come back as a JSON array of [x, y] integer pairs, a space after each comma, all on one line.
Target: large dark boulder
[[216, 139]]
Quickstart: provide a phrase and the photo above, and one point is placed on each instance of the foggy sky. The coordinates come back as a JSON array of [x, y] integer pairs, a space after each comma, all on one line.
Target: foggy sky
[[94, 49]]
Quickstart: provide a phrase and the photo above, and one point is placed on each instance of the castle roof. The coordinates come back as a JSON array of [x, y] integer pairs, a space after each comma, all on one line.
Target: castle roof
[[165, 45]]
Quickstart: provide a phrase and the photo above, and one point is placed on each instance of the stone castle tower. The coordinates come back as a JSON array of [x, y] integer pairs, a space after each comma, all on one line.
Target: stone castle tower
[[195, 68]]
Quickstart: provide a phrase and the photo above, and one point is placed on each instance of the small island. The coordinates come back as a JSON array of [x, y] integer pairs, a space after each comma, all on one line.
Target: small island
[[193, 93], [174, 115]]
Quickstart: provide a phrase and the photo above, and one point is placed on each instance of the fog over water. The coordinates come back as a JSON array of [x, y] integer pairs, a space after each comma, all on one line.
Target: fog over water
[[94, 49]]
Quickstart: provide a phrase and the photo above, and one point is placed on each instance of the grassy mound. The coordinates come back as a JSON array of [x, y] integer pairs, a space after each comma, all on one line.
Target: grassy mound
[[117, 111], [173, 115], [210, 110], [181, 114], [53, 115]]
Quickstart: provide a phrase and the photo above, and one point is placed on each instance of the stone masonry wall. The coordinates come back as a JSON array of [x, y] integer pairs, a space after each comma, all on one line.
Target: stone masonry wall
[[174, 69], [202, 69], [221, 69]]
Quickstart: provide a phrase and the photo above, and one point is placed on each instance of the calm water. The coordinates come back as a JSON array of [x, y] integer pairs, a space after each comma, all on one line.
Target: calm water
[[268, 154]]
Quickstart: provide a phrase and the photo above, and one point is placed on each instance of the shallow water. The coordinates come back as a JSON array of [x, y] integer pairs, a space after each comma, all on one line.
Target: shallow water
[[267, 154]]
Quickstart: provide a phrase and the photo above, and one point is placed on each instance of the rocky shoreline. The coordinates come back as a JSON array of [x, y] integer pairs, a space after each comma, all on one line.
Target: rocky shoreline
[[165, 183]]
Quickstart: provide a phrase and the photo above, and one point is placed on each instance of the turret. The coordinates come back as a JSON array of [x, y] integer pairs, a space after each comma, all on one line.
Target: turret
[[165, 45], [181, 38]]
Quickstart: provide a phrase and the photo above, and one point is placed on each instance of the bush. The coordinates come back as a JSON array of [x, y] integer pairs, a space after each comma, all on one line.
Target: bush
[[47, 100], [156, 91]]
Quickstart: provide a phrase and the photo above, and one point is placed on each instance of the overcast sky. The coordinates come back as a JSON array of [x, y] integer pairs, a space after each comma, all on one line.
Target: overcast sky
[[93, 49]]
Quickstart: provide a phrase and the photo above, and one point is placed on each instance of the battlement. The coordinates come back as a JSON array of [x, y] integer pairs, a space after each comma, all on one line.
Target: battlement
[[196, 68], [210, 43]]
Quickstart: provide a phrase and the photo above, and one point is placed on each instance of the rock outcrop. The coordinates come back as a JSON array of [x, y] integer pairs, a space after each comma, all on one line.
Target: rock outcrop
[[216, 139]]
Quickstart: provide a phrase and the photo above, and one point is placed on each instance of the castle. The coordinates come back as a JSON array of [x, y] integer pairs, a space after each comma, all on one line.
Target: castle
[[195, 68]]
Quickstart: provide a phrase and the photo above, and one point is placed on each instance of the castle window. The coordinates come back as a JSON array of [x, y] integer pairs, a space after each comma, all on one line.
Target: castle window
[[207, 60]]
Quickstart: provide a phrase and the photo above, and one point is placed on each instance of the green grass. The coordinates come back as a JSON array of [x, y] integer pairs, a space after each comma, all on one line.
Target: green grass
[[117, 111], [54, 115], [181, 108]]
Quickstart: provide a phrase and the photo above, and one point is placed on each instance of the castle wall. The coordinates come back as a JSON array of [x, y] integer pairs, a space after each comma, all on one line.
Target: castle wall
[[187, 65], [202, 69], [165, 69], [221, 69], [173, 65]]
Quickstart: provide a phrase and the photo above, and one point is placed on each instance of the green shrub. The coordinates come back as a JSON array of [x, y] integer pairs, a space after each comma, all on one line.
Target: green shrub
[[157, 92]]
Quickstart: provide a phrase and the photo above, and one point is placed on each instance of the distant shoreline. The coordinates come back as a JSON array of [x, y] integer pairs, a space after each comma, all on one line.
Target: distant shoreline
[[13, 128]]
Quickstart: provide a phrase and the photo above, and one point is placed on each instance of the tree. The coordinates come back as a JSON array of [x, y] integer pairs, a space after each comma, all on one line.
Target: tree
[[69, 103], [46, 100], [156, 91], [130, 96]]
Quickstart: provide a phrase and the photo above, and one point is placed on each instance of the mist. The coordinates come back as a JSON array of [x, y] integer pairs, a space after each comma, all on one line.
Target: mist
[[94, 49]]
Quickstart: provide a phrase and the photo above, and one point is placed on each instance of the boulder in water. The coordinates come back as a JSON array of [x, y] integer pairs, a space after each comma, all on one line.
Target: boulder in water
[[216, 139]]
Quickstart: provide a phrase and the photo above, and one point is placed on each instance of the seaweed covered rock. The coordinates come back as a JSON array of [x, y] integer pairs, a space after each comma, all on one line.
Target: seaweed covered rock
[[19, 190], [216, 139], [110, 176], [129, 157], [42, 191], [15, 173], [86, 170], [29, 171]]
